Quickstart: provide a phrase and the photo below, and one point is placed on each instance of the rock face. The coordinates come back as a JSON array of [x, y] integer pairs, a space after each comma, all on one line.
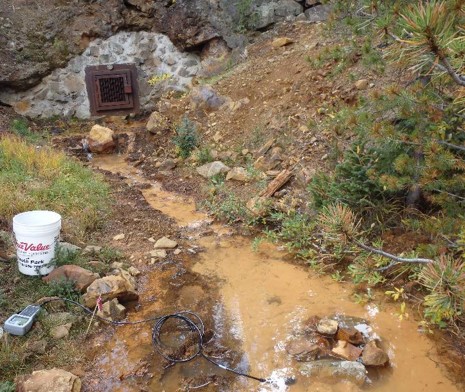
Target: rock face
[[81, 277], [101, 139], [63, 92], [49, 46], [56, 380], [110, 287], [212, 169]]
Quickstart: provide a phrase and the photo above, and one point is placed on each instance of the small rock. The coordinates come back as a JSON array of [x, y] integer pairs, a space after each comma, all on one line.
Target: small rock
[[100, 139], [68, 248], [117, 265], [151, 239], [177, 251], [165, 243], [361, 84], [37, 346], [60, 331], [212, 169], [119, 237], [281, 41], [133, 271], [168, 164], [303, 350], [52, 380], [350, 335], [158, 123], [374, 356], [217, 137], [158, 253], [347, 351], [238, 174], [327, 327], [112, 310], [91, 249], [335, 371], [264, 149]]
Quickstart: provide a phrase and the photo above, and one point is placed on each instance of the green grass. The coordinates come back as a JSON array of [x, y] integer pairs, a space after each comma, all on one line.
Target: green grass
[[34, 178]]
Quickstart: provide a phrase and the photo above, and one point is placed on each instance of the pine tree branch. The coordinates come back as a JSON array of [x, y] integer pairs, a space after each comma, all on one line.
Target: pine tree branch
[[450, 145], [457, 78], [396, 259]]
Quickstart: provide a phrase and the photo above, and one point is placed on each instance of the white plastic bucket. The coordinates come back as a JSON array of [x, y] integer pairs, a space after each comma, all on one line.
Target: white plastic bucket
[[37, 234]]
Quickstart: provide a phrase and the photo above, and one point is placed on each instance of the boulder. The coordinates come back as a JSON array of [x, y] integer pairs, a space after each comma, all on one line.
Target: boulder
[[56, 380], [335, 371], [100, 140], [374, 356], [206, 98], [212, 169], [327, 327], [158, 123], [238, 174], [81, 277], [109, 287], [303, 350], [165, 243], [318, 13], [346, 350], [350, 335], [112, 310]]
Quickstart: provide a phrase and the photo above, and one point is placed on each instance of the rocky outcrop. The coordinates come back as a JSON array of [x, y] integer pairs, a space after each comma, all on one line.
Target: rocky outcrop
[[109, 287], [36, 40], [56, 380]]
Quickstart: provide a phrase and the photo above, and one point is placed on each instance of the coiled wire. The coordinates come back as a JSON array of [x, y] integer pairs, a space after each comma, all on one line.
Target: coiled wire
[[190, 319]]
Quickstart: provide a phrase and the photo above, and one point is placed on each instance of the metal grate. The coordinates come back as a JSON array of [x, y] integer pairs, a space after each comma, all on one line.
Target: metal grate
[[112, 89]]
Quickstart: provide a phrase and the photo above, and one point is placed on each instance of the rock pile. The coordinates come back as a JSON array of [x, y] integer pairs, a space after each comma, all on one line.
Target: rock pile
[[334, 348]]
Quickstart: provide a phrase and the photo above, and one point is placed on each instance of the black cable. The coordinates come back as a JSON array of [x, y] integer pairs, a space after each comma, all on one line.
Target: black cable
[[190, 319]]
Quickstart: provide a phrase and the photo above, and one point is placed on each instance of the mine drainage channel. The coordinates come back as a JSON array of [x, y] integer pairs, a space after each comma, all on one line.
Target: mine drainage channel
[[265, 300]]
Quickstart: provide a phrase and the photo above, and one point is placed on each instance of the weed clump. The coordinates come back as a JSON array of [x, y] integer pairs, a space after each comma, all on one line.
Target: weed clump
[[186, 139], [40, 178]]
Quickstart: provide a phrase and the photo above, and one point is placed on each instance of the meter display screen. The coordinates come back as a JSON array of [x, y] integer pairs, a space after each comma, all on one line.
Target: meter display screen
[[19, 321]]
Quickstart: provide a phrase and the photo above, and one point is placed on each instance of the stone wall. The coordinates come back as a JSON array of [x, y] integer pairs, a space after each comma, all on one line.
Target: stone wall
[[64, 93]]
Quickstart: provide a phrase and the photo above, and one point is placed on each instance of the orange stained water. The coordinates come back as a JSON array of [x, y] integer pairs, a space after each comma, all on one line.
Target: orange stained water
[[181, 209], [264, 299], [267, 298]]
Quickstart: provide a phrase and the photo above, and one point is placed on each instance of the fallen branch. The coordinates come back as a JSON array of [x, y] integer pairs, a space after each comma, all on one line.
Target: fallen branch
[[396, 259]]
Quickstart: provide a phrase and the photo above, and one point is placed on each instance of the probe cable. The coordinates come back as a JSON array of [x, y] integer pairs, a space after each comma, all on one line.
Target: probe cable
[[190, 319]]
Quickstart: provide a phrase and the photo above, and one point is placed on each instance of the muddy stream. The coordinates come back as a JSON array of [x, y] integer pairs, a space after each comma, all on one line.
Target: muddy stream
[[264, 299]]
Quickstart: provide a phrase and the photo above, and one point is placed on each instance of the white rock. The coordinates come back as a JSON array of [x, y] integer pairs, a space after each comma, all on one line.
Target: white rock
[[165, 243], [213, 168], [119, 237]]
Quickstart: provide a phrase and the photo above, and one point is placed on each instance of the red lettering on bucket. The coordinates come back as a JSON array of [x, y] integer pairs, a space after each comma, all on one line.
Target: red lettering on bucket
[[31, 247]]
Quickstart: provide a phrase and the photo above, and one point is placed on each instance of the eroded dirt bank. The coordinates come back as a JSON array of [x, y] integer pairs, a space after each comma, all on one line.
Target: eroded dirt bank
[[255, 302]]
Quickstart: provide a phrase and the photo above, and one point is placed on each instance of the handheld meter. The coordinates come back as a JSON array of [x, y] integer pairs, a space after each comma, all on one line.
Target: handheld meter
[[21, 323]]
